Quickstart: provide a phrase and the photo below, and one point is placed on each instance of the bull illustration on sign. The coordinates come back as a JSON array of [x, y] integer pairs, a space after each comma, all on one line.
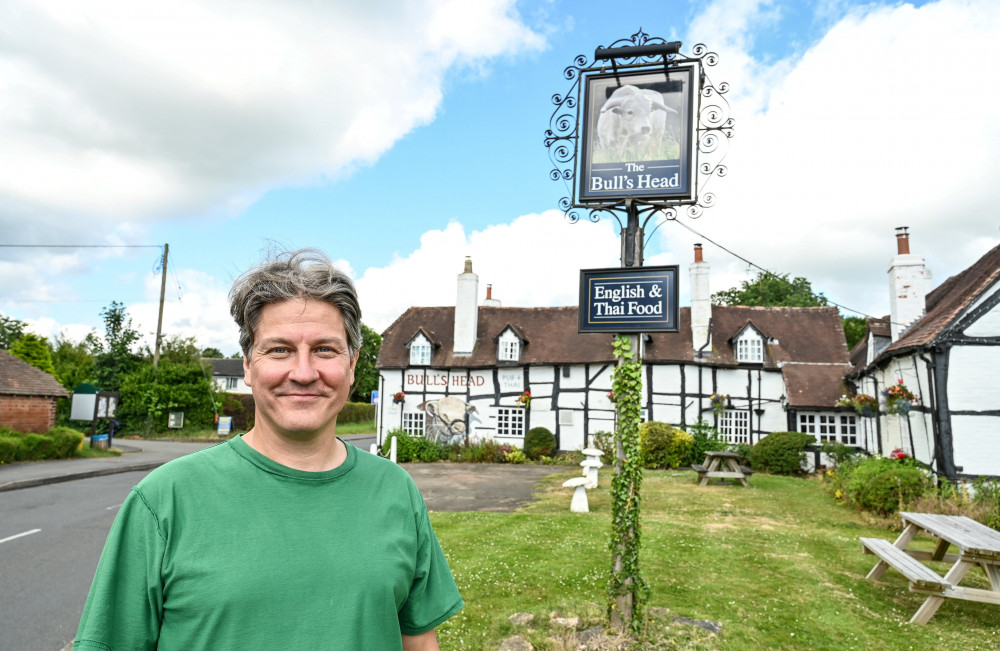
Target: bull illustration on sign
[[446, 420], [632, 123]]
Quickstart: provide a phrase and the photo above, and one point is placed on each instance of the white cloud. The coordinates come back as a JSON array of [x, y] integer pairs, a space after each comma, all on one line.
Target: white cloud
[[887, 121], [533, 261]]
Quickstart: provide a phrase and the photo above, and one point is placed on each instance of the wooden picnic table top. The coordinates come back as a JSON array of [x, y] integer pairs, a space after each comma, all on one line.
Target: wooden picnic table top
[[721, 454], [969, 536]]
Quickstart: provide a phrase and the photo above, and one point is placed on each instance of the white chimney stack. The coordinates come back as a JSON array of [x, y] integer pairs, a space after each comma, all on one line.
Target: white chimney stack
[[466, 311], [907, 276], [701, 302]]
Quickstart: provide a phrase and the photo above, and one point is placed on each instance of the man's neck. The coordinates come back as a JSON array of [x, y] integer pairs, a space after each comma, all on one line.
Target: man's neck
[[316, 454]]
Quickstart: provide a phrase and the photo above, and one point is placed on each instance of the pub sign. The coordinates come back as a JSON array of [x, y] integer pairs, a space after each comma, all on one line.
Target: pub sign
[[637, 299]]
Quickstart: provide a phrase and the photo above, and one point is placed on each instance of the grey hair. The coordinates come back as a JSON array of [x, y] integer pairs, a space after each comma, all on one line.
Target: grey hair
[[306, 273]]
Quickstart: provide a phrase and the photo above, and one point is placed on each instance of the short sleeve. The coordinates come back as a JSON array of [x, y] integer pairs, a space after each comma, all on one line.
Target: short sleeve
[[433, 596], [125, 604]]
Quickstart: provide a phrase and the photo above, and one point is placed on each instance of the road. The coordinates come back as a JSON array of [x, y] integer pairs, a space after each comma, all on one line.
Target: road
[[50, 541]]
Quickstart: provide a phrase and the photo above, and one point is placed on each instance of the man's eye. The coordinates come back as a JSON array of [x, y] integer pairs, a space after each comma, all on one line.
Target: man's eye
[[279, 350]]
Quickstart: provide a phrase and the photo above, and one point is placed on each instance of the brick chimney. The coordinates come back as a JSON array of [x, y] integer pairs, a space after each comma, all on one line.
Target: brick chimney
[[466, 311], [490, 301], [701, 302], [908, 278]]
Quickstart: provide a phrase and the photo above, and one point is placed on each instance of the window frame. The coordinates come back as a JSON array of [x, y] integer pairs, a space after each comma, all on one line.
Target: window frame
[[413, 423], [509, 420], [734, 424], [750, 348], [829, 426]]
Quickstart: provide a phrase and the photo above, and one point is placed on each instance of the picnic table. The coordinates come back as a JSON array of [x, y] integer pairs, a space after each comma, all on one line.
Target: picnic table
[[721, 465], [974, 543]]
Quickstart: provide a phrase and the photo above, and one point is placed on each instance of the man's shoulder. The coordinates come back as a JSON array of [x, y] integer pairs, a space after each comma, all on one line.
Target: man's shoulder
[[200, 463]]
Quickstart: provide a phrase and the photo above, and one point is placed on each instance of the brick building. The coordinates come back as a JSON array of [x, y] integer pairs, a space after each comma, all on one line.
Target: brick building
[[28, 395]]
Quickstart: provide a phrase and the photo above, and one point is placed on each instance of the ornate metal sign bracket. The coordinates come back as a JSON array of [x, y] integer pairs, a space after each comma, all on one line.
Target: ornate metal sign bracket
[[713, 128]]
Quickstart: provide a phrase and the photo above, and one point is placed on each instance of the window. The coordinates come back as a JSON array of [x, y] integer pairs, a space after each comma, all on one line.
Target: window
[[750, 349], [413, 423], [232, 383], [510, 350], [510, 421], [420, 353], [735, 425], [841, 428]]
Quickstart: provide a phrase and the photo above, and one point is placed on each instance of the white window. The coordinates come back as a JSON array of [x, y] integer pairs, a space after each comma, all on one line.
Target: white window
[[735, 425], [232, 383], [510, 421], [841, 428], [508, 347], [420, 351], [413, 423], [749, 349]]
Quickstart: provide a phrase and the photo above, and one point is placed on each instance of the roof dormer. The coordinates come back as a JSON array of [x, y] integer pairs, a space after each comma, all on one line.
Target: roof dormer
[[510, 342], [421, 348], [748, 345]]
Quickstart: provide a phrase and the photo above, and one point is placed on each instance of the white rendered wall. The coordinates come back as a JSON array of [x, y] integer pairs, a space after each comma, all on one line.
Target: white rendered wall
[[973, 383], [906, 292], [988, 325], [701, 305], [466, 312], [977, 444]]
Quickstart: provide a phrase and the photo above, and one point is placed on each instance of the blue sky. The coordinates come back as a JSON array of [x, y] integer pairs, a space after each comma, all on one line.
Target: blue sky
[[400, 137]]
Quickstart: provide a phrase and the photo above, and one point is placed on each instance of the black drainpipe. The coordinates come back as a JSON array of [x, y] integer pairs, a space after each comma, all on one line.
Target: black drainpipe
[[944, 450]]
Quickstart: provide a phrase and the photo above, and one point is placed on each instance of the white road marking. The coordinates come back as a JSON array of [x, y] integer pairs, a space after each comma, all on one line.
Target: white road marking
[[114, 506], [18, 535]]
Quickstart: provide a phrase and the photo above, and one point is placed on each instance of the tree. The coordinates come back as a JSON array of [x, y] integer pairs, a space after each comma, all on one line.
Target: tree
[[74, 363], [770, 290], [34, 350], [212, 353], [11, 330], [116, 357], [365, 373], [855, 328]]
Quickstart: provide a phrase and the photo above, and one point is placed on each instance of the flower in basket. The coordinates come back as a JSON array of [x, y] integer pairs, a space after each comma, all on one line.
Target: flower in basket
[[865, 404], [898, 399], [898, 454], [611, 396], [524, 398], [719, 401], [398, 397]]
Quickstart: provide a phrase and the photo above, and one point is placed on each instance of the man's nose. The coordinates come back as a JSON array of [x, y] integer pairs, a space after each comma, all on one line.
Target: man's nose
[[304, 370]]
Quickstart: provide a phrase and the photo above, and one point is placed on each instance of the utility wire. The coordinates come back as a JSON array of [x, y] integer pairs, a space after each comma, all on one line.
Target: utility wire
[[81, 246]]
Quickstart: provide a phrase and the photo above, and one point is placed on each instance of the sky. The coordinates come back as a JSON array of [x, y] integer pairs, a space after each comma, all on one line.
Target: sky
[[401, 136]]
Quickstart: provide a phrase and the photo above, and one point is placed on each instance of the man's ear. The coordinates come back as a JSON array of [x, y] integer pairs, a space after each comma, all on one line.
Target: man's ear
[[247, 375]]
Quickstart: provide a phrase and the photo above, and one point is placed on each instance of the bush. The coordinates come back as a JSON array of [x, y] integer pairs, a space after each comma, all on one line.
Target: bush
[[605, 442], [704, 438], [987, 495], [838, 453], [884, 485], [8, 448], [66, 441], [57, 443], [356, 412], [663, 446], [539, 442], [414, 448], [781, 453], [35, 447]]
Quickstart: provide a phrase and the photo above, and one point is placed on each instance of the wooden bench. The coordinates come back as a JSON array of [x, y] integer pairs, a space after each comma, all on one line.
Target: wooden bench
[[891, 556], [746, 471], [700, 469]]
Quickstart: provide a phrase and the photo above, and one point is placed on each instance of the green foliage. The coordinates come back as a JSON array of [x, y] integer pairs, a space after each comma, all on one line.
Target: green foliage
[[769, 289], [884, 485], [74, 363], [539, 442], [704, 438], [781, 453], [414, 448], [34, 350], [987, 494], [365, 373], [57, 443], [116, 355], [212, 353], [663, 446], [627, 591], [605, 442], [11, 330], [838, 453], [356, 412], [855, 328]]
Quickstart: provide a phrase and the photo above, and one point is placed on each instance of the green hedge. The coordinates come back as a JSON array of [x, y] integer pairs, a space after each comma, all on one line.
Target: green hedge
[[781, 453], [663, 446], [539, 442], [57, 443], [356, 412], [884, 485]]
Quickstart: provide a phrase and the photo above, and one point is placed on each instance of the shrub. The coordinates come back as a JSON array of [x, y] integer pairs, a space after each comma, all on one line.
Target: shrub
[[987, 495], [8, 448], [414, 448], [488, 451], [539, 442], [356, 412], [66, 441], [662, 445], [838, 453], [884, 485], [781, 453], [605, 442], [35, 447], [704, 438]]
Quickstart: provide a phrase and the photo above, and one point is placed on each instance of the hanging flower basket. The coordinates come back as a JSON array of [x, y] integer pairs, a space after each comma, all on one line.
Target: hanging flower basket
[[524, 399], [398, 397], [866, 405], [719, 402], [898, 399], [612, 397]]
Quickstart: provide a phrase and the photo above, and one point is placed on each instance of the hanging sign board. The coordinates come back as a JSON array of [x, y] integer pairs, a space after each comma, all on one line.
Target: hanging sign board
[[638, 135], [639, 299]]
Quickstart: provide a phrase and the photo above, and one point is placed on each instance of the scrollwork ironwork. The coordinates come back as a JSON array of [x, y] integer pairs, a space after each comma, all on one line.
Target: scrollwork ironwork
[[713, 132]]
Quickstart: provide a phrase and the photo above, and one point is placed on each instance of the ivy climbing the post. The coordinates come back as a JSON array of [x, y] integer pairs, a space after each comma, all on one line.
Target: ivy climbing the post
[[627, 591]]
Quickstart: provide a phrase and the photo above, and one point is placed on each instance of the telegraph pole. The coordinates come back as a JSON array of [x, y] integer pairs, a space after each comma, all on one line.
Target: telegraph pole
[[159, 320]]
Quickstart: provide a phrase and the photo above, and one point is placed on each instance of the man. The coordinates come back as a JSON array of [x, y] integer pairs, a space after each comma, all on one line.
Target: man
[[286, 537]]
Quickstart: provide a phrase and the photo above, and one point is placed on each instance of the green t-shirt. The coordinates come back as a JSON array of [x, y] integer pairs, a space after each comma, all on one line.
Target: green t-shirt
[[226, 549]]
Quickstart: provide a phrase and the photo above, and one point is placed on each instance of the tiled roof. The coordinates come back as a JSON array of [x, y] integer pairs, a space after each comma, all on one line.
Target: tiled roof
[[877, 328], [946, 303], [800, 334], [20, 378], [814, 385]]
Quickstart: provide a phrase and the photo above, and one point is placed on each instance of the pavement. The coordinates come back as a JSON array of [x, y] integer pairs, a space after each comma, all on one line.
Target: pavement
[[445, 486]]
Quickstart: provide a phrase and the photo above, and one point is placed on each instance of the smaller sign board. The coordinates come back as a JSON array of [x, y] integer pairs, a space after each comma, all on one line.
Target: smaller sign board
[[375, 397], [225, 425], [638, 299]]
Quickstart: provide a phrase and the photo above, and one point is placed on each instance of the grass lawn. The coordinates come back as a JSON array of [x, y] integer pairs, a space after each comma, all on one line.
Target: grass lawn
[[778, 565]]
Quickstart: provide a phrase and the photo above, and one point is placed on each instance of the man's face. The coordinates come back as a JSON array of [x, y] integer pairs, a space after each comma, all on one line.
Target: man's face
[[299, 369]]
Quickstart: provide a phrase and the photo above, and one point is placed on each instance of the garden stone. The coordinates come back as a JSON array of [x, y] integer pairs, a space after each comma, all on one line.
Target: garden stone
[[521, 619], [516, 643], [565, 622], [579, 503], [711, 627]]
